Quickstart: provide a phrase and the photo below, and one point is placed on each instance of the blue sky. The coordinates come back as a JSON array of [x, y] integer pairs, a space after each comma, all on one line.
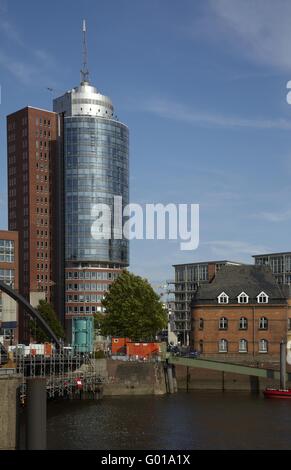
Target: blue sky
[[201, 85]]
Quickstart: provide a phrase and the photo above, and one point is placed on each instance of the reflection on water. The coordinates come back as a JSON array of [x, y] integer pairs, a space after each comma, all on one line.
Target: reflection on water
[[197, 420]]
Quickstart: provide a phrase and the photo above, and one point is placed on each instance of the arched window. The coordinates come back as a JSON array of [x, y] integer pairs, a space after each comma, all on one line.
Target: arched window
[[263, 325], [223, 298], [201, 345], [223, 323], [243, 298], [243, 323], [223, 346], [201, 323], [263, 346], [262, 298], [243, 346]]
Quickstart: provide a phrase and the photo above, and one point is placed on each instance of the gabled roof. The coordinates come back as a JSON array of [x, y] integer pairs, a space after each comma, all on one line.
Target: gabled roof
[[233, 280]]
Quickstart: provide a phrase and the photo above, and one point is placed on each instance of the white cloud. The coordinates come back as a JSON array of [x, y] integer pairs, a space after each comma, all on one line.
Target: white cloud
[[25, 71], [232, 249], [261, 28], [276, 217], [179, 112], [21, 70], [37, 62], [9, 31]]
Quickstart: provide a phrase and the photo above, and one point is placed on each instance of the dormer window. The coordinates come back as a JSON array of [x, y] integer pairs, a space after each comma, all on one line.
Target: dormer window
[[223, 298], [262, 298], [243, 298]]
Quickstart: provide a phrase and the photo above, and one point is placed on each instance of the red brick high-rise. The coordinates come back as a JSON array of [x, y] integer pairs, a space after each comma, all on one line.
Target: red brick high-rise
[[32, 155]]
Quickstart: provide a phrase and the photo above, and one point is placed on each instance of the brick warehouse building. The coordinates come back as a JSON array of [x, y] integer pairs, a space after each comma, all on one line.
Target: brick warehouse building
[[242, 315], [31, 152], [187, 278]]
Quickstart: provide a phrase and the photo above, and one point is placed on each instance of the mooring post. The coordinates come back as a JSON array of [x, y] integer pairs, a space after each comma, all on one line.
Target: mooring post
[[175, 383], [166, 377], [36, 413], [187, 379], [170, 378], [283, 365]]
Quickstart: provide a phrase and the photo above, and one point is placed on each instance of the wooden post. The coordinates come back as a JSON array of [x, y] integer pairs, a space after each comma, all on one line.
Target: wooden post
[[283, 365], [36, 413], [170, 378]]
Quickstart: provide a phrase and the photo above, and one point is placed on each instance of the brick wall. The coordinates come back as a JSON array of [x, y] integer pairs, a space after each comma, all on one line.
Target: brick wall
[[208, 336]]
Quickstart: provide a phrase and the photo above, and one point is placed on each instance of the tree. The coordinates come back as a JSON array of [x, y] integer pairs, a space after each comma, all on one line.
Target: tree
[[133, 309], [98, 321], [47, 312]]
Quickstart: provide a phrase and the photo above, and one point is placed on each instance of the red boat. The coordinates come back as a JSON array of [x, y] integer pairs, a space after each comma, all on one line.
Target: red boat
[[277, 393]]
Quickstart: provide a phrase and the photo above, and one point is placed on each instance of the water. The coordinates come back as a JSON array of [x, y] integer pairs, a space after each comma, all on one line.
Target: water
[[197, 420]]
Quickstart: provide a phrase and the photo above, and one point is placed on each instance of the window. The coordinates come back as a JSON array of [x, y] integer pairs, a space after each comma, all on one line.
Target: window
[[263, 346], [243, 346], [223, 298], [243, 298], [223, 323], [7, 251], [7, 276], [243, 323], [201, 346], [201, 324], [263, 325], [222, 346], [262, 298], [289, 324]]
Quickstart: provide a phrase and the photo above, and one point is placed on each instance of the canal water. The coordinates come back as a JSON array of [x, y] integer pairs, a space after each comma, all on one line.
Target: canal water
[[195, 420]]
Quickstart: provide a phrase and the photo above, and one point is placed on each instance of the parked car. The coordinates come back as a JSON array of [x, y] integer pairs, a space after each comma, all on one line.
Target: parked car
[[175, 350]]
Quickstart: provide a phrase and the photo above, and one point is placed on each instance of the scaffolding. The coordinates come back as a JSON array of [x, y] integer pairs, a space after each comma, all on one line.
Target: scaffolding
[[68, 375]]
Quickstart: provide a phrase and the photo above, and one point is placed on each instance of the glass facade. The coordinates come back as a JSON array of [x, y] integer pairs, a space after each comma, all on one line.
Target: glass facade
[[96, 170], [94, 190], [280, 264]]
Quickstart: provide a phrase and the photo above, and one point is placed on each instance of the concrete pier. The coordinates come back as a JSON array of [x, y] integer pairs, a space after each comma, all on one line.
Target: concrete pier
[[9, 402]]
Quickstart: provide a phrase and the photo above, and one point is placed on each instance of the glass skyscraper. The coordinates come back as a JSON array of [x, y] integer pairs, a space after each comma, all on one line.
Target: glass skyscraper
[[96, 170], [94, 152]]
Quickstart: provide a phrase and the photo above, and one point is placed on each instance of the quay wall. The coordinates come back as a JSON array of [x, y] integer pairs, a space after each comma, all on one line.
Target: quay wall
[[202, 379], [9, 403], [134, 378], [138, 378]]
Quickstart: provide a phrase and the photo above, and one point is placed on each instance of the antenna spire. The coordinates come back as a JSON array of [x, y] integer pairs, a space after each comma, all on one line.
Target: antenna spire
[[84, 70]]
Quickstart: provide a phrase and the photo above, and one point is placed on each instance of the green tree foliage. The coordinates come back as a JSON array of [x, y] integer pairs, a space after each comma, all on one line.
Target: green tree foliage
[[133, 309], [49, 315], [98, 321]]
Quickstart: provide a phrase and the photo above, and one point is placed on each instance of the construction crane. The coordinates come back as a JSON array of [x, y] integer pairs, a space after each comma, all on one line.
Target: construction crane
[[54, 91]]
